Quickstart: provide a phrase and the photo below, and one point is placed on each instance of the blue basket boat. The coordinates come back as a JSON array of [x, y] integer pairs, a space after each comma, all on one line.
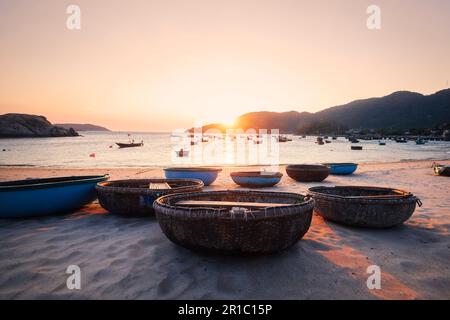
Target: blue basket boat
[[342, 168], [207, 174], [39, 197], [256, 179]]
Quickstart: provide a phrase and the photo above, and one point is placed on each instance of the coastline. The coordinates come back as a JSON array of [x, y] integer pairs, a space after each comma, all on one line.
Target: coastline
[[130, 258]]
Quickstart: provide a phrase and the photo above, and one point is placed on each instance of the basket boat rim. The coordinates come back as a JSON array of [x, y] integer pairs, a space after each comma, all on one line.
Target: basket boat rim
[[307, 203], [108, 186], [256, 174], [316, 193], [194, 169]]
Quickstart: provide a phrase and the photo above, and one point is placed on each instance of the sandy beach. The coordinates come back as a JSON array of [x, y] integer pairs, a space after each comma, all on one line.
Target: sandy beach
[[130, 258]]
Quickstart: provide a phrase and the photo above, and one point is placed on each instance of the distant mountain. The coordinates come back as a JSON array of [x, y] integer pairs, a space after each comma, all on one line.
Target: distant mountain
[[399, 110], [82, 127], [16, 125]]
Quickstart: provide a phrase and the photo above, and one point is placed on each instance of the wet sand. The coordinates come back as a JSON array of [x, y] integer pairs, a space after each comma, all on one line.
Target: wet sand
[[130, 258]]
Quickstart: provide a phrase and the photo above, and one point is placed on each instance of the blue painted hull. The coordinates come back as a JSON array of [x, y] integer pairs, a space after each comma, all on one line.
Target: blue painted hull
[[207, 176], [256, 182], [342, 169], [39, 197]]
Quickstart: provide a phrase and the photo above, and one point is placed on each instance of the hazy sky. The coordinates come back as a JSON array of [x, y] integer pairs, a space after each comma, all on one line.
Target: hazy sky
[[160, 65]]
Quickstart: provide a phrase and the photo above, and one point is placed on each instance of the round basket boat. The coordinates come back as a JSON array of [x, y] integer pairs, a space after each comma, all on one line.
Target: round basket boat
[[308, 172], [207, 174], [341, 168], [136, 197], [256, 179], [364, 206], [235, 221]]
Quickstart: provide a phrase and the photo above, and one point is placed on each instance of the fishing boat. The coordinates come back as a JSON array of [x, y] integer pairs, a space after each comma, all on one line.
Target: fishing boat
[[334, 138], [130, 145], [206, 174], [135, 197], [182, 153], [256, 179], [441, 170], [241, 222], [39, 197], [341, 168], [420, 141], [372, 207], [327, 141], [381, 143], [308, 172], [401, 140], [356, 147]]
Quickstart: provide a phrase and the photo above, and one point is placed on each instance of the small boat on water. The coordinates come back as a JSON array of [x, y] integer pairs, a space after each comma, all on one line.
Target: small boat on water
[[401, 140], [182, 153], [129, 145], [420, 141], [39, 197], [441, 170], [256, 179], [341, 168], [356, 147], [235, 221]]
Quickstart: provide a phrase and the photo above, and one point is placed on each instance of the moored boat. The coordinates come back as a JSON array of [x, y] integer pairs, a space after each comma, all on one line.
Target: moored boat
[[364, 206], [420, 141], [182, 153], [129, 145], [39, 197], [381, 143], [356, 147], [235, 221]]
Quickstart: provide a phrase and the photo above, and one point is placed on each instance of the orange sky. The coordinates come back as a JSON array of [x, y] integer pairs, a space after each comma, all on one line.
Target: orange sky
[[161, 65]]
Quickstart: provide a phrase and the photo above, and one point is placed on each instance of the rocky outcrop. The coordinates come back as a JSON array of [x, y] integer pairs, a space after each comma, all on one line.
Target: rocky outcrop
[[82, 127], [15, 125]]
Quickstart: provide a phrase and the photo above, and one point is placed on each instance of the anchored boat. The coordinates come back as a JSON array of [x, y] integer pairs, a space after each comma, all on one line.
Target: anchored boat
[[39, 197], [130, 145]]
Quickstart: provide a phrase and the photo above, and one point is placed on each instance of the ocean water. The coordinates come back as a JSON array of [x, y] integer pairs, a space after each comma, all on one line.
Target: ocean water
[[159, 151]]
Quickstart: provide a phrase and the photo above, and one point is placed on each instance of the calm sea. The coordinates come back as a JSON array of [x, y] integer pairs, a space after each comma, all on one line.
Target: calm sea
[[98, 149]]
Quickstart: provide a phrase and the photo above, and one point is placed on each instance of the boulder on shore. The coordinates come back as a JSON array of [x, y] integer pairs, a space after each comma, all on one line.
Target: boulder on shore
[[16, 125]]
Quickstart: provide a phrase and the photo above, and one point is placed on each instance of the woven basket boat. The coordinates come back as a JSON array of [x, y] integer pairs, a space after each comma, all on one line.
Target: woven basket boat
[[341, 168], [136, 197], [364, 206], [256, 179], [262, 222], [207, 174], [308, 172]]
